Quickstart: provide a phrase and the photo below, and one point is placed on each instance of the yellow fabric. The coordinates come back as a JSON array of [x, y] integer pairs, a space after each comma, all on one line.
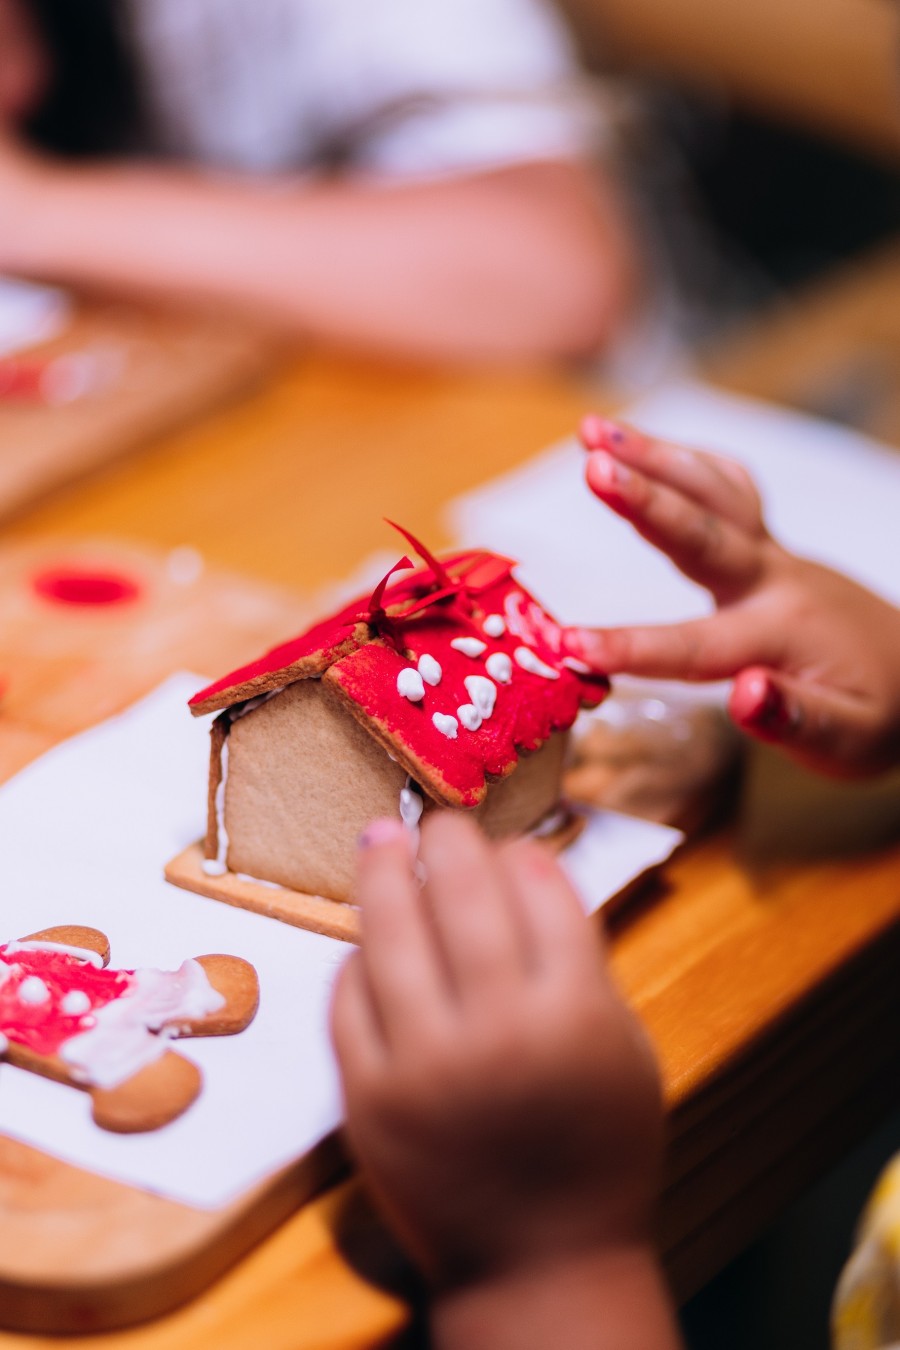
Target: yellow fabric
[[866, 1309]]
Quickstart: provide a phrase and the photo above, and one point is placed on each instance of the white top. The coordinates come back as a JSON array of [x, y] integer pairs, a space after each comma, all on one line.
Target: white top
[[399, 88]]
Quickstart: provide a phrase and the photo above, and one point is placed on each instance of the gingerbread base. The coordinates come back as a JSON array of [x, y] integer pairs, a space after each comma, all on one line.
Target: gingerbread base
[[333, 918]]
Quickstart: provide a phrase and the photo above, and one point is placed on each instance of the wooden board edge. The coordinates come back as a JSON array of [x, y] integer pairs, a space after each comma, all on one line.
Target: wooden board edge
[[71, 1303], [331, 918]]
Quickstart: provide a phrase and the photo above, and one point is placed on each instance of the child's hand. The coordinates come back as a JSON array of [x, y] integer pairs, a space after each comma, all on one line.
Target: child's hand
[[502, 1102], [815, 658]]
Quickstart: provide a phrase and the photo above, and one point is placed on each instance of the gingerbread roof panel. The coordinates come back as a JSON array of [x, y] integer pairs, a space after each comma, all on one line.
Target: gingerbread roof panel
[[455, 668]]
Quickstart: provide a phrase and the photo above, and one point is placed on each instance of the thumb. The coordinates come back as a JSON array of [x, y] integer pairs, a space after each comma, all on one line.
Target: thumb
[[823, 729]]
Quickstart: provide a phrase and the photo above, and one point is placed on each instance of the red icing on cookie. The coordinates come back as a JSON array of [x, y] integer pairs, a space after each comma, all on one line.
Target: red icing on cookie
[[71, 586], [365, 646], [43, 1026]]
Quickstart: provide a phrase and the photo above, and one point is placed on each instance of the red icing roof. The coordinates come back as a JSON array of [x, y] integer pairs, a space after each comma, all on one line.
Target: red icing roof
[[530, 689]]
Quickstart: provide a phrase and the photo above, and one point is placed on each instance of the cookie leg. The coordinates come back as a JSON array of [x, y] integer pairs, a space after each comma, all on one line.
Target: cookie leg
[[154, 1096]]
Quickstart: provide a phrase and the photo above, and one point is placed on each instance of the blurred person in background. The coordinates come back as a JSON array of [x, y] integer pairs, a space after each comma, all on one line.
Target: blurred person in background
[[417, 177]]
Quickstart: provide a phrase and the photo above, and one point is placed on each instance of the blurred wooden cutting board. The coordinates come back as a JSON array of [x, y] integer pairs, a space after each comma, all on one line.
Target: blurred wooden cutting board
[[163, 368]]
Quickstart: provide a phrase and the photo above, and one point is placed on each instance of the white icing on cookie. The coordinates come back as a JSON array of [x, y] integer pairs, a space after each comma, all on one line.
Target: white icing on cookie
[[430, 669], [494, 625], [446, 725], [469, 646], [411, 806], [33, 990], [34, 945], [409, 685], [531, 662], [121, 1041], [75, 1002], [573, 663], [217, 866], [499, 667], [482, 692], [470, 717]]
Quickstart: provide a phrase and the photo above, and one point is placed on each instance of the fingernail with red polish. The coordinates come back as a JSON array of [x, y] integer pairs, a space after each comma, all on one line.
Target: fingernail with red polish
[[385, 831], [597, 432]]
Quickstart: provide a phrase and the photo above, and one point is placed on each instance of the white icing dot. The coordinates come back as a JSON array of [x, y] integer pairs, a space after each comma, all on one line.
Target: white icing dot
[[469, 646], [214, 867], [482, 692], [494, 625], [33, 990], [446, 725], [429, 669], [469, 715], [409, 684], [531, 662], [499, 667], [573, 663], [75, 1003]]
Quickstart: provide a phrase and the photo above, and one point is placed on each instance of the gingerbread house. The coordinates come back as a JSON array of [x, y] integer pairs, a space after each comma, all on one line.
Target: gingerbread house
[[449, 686]]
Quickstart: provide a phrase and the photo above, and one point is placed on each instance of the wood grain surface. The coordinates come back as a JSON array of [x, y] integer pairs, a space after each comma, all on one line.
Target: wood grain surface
[[767, 987]]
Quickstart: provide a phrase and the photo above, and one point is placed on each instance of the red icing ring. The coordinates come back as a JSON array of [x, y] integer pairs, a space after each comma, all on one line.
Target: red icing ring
[[74, 586]]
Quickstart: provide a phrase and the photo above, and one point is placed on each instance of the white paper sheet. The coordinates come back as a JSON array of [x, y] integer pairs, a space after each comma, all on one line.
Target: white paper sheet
[[29, 313], [84, 834], [830, 493]]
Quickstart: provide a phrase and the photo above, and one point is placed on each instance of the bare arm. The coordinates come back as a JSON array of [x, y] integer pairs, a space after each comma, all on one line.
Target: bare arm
[[528, 262]]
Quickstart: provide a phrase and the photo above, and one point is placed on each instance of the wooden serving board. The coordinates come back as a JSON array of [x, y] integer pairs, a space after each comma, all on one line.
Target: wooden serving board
[[163, 368], [79, 1252]]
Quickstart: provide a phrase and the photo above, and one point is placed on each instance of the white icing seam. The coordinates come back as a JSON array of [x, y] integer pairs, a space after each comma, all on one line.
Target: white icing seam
[[531, 662], [217, 866], [446, 724], [34, 945], [239, 710], [430, 669], [494, 625], [482, 692], [121, 1041], [469, 646], [555, 818], [411, 807], [410, 685], [499, 667]]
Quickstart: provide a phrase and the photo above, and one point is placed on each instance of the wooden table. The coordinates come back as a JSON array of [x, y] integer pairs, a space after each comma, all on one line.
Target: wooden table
[[766, 988]]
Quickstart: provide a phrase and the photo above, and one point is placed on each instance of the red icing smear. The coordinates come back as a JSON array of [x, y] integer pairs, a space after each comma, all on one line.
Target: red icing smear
[[72, 586], [44, 1027]]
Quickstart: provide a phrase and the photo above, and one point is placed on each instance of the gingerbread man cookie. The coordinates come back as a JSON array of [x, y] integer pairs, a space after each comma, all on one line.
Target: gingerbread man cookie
[[65, 1015]]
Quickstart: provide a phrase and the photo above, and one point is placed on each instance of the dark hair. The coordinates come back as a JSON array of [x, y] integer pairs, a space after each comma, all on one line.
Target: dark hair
[[92, 106]]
